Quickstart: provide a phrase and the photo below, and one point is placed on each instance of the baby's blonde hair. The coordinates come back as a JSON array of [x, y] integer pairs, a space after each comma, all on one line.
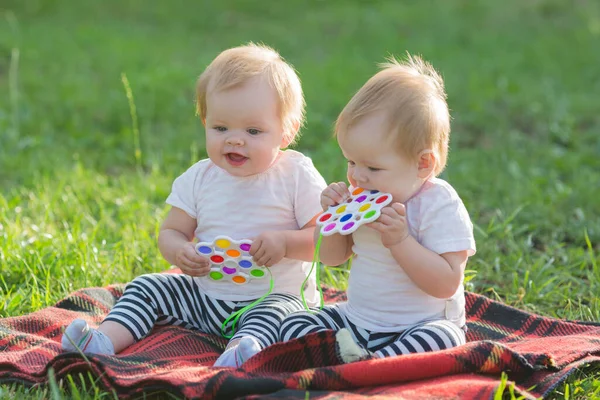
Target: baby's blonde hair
[[237, 65], [411, 94]]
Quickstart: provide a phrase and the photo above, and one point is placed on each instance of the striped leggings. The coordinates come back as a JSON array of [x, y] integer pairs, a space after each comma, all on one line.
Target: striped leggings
[[174, 299], [426, 336]]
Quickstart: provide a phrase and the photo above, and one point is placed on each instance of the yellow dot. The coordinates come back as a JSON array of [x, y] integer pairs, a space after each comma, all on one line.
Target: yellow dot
[[357, 191], [223, 243], [341, 209], [364, 208], [233, 253], [238, 279]]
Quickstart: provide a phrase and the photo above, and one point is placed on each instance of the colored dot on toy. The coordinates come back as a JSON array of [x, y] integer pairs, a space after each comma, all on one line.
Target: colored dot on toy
[[233, 253], [370, 214], [229, 271], [204, 249], [357, 191], [341, 209], [245, 264], [238, 279], [325, 217], [348, 226], [223, 243], [381, 199], [361, 199], [364, 207], [257, 273], [374, 191], [217, 259], [329, 227], [245, 246], [345, 217], [216, 275]]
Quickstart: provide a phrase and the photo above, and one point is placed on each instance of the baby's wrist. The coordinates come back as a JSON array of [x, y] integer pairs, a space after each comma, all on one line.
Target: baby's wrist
[[400, 242], [285, 244]]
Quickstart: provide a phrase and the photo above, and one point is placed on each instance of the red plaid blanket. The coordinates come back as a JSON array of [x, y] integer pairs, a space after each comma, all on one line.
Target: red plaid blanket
[[536, 352]]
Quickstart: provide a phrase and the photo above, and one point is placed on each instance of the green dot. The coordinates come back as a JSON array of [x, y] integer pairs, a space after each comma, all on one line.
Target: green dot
[[370, 214], [216, 275], [258, 273]]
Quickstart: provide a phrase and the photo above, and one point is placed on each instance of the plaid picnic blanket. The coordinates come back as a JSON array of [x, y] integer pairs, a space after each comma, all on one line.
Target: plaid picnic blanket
[[536, 352]]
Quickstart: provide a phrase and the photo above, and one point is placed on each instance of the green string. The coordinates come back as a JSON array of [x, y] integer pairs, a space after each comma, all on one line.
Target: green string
[[236, 315], [315, 263]]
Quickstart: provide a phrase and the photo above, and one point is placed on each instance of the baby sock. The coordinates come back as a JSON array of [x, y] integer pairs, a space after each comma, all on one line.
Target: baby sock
[[348, 350], [236, 355], [88, 340]]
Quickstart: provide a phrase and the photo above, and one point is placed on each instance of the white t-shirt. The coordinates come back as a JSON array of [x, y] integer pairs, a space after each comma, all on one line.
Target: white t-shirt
[[381, 297], [285, 197]]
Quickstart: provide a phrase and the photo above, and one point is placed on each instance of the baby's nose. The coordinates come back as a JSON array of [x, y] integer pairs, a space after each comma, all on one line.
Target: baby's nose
[[358, 176], [235, 140]]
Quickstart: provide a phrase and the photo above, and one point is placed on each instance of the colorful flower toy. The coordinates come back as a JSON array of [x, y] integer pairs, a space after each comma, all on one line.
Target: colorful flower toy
[[362, 208], [230, 260]]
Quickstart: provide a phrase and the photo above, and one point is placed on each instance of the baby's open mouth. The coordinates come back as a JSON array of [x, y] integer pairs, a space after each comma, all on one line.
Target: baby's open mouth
[[236, 159]]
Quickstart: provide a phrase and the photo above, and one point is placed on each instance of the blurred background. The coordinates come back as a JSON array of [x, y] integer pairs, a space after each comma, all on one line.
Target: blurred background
[[97, 119]]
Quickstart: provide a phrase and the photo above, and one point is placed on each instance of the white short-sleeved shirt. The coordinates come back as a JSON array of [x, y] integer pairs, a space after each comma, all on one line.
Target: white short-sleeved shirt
[[381, 297], [285, 197]]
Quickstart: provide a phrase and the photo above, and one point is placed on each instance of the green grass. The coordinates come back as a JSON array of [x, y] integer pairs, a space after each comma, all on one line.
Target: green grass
[[82, 194]]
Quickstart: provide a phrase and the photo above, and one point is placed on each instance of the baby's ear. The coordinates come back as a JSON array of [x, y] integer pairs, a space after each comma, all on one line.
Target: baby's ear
[[285, 141], [427, 162], [288, 137], [295, 127]]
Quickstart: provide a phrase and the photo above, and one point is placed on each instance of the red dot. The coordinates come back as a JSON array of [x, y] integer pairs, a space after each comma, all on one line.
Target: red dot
[[325, 217], [381, 199], [217, 259]]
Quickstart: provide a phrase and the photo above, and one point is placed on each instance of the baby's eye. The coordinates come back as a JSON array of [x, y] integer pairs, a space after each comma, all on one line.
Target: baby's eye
[[351, 163], [220, 128], [253, 131], [374, 169]]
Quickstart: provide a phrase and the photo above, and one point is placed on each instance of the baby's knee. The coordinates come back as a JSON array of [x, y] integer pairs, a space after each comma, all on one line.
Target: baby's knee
[[296, 316], [144, 283], [147, 278]]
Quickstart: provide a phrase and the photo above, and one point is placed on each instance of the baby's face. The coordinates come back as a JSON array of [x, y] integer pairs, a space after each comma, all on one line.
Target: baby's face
[[374, 161], [244, 132]]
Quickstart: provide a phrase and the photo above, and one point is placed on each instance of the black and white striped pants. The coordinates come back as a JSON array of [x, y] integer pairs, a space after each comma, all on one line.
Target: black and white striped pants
[[176, 299], [426, 336]]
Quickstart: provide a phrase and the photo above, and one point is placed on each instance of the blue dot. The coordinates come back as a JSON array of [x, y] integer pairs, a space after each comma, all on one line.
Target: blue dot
[[204, 250], [374, 191], [345, 217], [245, 264]]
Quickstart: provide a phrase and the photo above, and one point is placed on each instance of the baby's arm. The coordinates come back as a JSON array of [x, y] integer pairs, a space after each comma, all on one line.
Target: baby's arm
[[270, 247], [299, 244], [175, 243], [438, 275], [335, 249]]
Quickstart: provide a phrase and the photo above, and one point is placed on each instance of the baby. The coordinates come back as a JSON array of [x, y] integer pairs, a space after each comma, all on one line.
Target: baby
[[405, 290], [251, 104]]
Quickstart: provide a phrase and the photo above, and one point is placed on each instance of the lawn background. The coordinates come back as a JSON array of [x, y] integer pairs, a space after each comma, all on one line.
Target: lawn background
[[82, 194]]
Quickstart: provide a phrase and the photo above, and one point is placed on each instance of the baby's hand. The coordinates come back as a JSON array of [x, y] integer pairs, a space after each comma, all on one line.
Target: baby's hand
[[268, 248], [391, 224], [190, 262], [334, 194]]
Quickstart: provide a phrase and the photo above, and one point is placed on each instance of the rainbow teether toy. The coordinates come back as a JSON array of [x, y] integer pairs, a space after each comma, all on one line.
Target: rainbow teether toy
[[363, 207], [230, 260]]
